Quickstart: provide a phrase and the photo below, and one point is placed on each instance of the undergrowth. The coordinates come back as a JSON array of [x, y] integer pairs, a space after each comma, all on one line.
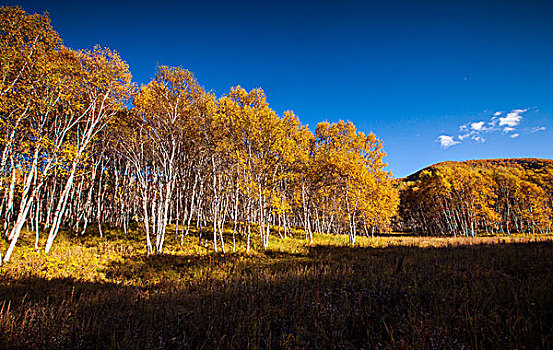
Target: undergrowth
[[386, 292]]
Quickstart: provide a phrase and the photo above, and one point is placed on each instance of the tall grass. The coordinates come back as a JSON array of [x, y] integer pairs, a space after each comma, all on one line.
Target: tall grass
[[386, 292]]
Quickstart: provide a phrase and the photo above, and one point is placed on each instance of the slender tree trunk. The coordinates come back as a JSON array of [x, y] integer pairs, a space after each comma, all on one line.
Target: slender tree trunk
[[60, 210]]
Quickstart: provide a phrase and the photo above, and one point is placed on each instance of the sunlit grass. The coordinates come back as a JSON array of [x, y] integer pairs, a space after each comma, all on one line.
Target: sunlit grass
[[394, 291]]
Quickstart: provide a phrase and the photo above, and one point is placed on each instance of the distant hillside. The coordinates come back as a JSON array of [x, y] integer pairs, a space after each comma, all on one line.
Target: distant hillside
[[487, 196], [526, 163]]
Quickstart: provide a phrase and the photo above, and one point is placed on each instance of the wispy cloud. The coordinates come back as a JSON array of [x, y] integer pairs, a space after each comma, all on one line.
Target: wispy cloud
[[446, 141], [477, 126], [513, 118], [478, 139], [500, 122]]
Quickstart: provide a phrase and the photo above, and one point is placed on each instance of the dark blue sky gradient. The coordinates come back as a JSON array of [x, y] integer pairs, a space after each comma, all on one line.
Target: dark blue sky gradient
[[409, 71]]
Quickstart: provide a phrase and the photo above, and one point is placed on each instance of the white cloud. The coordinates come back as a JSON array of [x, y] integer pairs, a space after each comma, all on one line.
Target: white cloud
[[512, 118], [494, 123], [446, 141], [477, 126], [478, 138]]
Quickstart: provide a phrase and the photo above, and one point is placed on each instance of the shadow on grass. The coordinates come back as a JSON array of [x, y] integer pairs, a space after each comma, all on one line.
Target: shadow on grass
[[482, 296]]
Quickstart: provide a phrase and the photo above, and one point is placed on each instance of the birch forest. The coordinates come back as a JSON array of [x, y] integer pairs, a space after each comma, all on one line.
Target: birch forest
[[83, 146], [502, 196]]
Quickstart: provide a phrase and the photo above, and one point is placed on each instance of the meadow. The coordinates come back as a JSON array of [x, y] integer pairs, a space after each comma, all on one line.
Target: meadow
[[396, 291]]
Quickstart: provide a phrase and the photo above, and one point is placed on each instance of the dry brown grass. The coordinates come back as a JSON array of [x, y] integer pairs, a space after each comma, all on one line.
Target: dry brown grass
[[387, 292]]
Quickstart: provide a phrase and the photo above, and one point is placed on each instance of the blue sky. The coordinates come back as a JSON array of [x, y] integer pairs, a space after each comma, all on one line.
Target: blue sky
[[434, 80]]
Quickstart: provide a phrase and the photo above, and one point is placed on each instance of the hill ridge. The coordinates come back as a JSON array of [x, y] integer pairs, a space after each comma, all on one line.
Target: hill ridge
[[526, 163]]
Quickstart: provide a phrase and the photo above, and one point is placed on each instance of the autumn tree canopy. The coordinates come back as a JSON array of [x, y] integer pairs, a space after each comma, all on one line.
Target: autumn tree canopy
[[488, 196], [81, 144]]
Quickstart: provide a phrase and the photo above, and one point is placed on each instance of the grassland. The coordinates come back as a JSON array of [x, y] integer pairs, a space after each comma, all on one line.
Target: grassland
[[386, 292]]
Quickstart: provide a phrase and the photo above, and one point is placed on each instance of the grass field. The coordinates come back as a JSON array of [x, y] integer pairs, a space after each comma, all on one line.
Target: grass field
[[386, 292]]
